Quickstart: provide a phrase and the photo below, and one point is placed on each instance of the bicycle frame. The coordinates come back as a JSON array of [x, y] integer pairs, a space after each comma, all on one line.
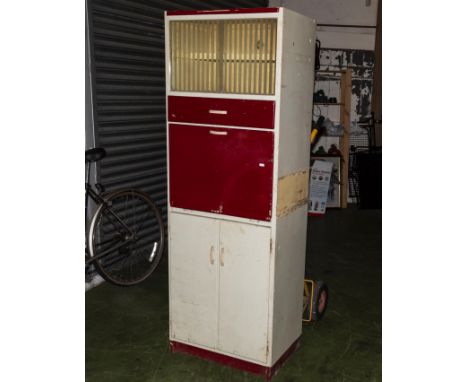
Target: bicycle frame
[[99, 200]]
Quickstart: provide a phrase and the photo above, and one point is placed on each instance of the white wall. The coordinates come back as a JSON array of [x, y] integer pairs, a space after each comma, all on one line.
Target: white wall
[[340, 12]]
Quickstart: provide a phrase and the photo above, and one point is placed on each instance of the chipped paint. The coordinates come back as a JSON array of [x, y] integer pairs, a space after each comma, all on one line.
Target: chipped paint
[[362, 64], [292, 192]]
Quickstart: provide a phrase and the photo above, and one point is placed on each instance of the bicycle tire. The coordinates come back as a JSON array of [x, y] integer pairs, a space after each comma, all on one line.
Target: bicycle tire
[[139, 249]]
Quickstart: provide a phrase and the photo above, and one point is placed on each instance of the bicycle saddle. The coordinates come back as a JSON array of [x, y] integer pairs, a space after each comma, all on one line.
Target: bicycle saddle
[[93, 155]]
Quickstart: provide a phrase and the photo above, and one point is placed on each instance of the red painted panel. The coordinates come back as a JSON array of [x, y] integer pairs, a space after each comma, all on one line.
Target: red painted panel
[[222, 111], [225, 171], [222, 11], [265, 371]]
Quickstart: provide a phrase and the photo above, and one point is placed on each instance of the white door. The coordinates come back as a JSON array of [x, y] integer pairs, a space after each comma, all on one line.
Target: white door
[[193, 253], [244, 258]]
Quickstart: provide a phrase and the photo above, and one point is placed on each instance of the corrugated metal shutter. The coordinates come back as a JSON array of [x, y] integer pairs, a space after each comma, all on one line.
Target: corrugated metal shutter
[[128, 77]]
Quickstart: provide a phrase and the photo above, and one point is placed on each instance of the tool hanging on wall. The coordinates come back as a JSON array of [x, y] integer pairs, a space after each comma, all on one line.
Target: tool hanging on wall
[[317, 54], [317, 130]]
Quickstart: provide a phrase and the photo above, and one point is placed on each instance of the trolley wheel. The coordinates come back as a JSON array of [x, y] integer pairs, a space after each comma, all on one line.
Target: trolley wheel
[[319, 300]]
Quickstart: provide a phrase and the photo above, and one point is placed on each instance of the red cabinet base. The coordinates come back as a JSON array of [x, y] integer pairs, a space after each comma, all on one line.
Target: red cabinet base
[[267, 372]]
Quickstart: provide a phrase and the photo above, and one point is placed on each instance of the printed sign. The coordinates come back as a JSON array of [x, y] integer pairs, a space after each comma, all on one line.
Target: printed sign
[[320, 175]]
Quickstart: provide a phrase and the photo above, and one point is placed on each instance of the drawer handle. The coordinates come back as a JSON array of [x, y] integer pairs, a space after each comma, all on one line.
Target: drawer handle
[[223, 112], [214, 132]]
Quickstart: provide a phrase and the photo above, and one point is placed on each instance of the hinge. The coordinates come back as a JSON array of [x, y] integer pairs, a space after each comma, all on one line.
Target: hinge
[[271, 246]]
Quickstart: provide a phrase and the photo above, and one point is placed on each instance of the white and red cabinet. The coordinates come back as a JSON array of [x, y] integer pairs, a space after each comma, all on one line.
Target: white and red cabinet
[[239, 102]]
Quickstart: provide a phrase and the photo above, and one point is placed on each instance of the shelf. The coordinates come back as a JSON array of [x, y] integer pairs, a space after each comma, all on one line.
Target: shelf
[[329, 103], [331, 71], [344, 77], [325, 155]]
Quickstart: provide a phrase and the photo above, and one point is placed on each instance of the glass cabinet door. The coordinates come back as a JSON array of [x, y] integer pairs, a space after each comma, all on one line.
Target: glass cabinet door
[[223, 56]]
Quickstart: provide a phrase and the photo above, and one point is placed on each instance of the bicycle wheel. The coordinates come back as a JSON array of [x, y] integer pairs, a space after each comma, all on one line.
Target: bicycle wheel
[[126, 236]]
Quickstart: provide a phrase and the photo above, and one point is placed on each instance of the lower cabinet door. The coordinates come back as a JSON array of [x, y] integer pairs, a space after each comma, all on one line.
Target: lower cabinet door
[[193, 252], [244, 257]]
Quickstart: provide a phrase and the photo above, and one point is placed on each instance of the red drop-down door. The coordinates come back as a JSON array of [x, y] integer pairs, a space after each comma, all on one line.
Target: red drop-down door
[[221, 170]]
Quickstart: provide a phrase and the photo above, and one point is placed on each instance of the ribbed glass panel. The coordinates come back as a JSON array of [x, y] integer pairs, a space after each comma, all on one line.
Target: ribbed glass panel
[[223, 56], [194, 60]]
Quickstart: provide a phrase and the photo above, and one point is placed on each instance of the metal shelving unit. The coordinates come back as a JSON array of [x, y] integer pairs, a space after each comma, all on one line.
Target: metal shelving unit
[[345, 77]]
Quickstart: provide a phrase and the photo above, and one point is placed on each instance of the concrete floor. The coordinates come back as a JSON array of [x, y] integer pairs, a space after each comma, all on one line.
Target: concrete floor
[[127, 328]]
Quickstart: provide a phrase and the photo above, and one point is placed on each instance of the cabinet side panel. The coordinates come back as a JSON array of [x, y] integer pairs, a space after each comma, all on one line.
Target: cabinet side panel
[[193, 248], [297, 87], [291, 232]]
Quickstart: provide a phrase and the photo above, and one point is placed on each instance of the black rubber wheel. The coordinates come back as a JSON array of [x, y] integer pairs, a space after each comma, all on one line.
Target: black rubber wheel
[[130, 228], [319, 300]]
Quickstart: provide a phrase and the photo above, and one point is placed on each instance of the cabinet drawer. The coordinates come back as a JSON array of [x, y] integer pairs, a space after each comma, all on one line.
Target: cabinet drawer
[[221, 170], [222, 111]]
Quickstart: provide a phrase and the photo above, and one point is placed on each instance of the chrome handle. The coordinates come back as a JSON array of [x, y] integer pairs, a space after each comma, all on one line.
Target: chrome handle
[[214, 132], [222, 112], [221, 257], [212, 255]]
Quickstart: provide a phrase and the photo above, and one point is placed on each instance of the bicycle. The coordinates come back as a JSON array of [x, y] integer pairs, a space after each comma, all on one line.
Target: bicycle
[[126, 236]]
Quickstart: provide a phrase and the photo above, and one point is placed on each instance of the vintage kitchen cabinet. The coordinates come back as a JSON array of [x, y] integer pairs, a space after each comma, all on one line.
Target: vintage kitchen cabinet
[[239, 110]]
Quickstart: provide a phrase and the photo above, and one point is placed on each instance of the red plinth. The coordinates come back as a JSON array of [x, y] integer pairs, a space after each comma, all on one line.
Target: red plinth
[[267, 372]]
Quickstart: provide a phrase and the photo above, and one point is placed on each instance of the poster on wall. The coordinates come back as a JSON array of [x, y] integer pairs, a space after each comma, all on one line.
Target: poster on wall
[[319, 184], [334, 189]]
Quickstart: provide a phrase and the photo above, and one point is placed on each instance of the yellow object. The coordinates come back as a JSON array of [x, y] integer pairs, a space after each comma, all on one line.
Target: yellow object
[[307, 301], [313, 134]]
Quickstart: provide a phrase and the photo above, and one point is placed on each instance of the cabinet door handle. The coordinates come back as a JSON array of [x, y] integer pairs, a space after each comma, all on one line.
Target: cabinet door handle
[[222, 112], [212, 255], [214, 132], [221, 257]]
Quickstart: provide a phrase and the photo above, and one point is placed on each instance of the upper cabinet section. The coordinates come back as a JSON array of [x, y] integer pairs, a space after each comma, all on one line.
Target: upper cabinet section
[[235, 56]]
